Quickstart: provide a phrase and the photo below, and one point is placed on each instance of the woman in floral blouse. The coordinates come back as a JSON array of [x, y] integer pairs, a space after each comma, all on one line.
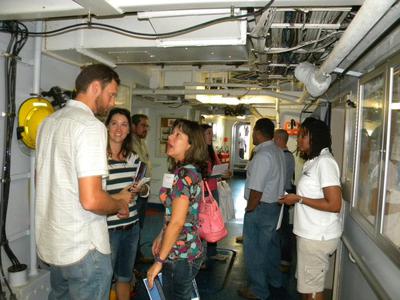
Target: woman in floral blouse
[[178, 249]]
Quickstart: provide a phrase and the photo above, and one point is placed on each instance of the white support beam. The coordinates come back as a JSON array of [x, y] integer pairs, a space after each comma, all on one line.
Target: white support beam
[[39, 9], [98, 56], [100, 7], [225, 92], [224, 85], [203, 68], [153, 5], [305, 26], [281, 50]]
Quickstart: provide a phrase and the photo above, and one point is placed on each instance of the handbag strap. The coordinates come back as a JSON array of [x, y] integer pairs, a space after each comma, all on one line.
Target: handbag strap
[[205, 184], [203, 187]]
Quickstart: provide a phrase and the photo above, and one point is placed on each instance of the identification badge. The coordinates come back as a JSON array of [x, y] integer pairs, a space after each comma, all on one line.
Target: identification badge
[[168, 180]]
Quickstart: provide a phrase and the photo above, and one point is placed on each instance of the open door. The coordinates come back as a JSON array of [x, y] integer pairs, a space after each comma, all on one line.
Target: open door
[[240, 146]]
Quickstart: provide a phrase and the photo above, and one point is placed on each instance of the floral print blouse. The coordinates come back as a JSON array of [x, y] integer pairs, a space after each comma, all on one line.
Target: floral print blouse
[[186, 185]]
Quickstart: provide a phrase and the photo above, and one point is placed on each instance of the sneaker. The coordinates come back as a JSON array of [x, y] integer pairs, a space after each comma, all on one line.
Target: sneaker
[[246, 293], [219, 257]]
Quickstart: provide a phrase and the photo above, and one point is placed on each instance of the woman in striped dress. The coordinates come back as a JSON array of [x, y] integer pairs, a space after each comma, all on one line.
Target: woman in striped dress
[[123, 165]]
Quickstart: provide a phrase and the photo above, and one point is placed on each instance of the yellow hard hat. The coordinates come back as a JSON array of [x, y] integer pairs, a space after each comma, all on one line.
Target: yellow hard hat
[[31, 114]]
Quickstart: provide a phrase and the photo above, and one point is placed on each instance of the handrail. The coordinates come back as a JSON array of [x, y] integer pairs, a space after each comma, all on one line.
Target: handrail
[[368, 275]]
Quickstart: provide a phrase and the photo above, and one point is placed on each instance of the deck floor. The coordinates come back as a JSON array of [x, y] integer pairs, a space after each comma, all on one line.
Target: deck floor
[[222, 279]]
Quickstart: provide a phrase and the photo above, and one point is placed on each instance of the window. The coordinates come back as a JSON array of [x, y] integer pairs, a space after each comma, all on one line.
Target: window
[[391, 216], [371, 116], [349, 148], [376, 191]]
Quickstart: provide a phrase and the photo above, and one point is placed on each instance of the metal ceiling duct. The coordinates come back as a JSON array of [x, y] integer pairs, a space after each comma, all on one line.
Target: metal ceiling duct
[[368, 15]]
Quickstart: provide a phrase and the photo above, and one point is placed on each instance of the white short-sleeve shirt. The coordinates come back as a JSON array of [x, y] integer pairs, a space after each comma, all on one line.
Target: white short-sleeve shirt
[[71, 144], [319, 172]]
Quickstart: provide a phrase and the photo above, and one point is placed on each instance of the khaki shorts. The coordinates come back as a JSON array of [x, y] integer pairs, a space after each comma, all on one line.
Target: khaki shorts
[[313, 263]]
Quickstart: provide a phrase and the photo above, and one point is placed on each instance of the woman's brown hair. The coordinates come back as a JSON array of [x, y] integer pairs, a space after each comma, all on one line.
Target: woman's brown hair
[[197, 154], [126, 148]]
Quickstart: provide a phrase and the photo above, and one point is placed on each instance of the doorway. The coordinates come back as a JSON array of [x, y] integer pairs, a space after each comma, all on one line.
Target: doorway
[[240, 146]]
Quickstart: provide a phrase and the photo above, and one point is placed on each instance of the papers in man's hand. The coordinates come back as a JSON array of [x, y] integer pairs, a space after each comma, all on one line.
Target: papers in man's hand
[[278, 225], [219, 169], [143, 181]]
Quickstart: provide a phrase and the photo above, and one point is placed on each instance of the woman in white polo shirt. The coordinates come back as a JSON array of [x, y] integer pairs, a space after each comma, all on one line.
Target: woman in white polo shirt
[[317, 219]]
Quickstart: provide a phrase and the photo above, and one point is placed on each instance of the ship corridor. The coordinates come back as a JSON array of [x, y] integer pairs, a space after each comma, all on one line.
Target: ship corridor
[[221, 280]]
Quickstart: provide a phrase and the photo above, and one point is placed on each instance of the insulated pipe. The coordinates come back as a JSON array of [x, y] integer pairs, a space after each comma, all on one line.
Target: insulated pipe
[[33, 271], [369, 14]]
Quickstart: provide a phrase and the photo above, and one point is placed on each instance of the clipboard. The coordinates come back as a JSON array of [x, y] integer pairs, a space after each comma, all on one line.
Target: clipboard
[[156, 293], [279, 223], [220, 169], [140, 172]]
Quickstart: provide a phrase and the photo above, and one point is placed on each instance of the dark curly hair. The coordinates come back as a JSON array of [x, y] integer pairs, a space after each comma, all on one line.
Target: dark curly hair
[[319, 135]]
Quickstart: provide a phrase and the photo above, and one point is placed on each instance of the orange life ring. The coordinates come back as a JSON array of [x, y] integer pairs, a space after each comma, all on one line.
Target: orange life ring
[[292, 127]]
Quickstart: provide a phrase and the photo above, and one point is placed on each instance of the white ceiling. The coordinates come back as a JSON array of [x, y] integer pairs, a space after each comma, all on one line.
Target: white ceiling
[[259, 50], [34, 9]]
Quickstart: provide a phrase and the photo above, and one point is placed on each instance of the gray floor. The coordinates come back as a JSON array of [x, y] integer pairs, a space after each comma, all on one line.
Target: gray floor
[[228, 277]]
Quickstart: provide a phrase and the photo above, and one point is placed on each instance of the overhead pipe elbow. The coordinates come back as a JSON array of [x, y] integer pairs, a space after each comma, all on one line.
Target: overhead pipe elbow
[[318, 81], [315, 84]]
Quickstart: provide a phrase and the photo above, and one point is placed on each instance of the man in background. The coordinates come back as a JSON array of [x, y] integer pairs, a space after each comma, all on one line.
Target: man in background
[[140, 128], [281, 138], [264, 185], [71, 205], [242, 146]]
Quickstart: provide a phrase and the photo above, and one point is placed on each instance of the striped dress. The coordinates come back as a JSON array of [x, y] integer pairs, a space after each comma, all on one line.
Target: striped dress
[[121, 174]]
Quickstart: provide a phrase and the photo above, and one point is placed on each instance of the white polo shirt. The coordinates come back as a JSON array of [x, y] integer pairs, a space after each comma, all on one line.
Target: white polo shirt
[[310, 223], [71, 144]]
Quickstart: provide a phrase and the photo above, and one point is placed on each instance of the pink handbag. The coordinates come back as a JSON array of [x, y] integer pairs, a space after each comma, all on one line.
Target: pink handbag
[[211, 222]]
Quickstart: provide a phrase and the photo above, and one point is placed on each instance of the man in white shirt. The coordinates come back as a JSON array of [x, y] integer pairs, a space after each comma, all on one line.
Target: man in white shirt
[[140, 127], [139, 130], [71, 205]]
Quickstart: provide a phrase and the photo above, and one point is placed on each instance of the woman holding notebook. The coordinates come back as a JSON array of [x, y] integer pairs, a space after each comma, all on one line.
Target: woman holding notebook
[[178, 249]]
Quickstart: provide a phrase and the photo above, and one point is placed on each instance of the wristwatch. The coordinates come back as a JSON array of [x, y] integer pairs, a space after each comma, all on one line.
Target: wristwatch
[[161, 261], [300, 200]]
